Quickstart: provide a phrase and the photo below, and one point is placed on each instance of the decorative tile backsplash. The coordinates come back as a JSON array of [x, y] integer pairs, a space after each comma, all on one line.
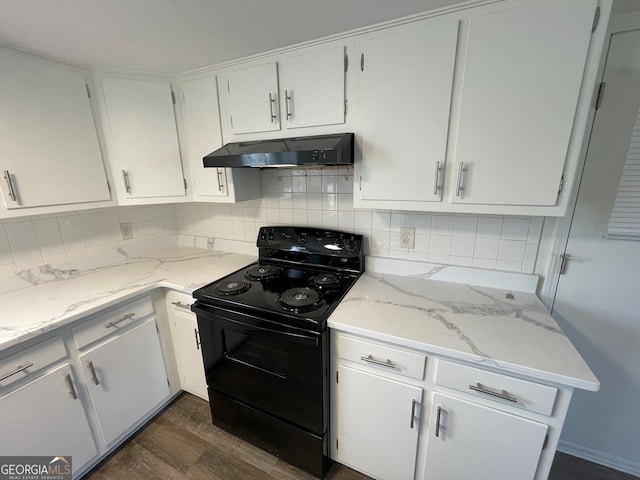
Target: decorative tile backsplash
[[324, 198], [310, 197], [29, 241]]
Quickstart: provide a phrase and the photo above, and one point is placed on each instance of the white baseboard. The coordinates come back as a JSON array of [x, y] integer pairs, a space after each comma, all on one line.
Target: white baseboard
[[612, 461]]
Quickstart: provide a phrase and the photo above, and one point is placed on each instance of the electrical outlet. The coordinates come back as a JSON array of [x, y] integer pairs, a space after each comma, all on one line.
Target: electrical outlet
[[407, 237], [126, 230]]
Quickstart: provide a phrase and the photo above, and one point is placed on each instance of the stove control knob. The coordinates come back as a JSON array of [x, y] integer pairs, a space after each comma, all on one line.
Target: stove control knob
[[271, 236], [303, 239], [263, 236]]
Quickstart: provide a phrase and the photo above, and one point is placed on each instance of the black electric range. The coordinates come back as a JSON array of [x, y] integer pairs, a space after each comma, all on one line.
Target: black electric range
[[265, 343]]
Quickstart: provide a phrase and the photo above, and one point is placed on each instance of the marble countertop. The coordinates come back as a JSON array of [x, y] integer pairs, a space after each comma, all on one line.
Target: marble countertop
[[478, 324], [42, 298], [506, 330]]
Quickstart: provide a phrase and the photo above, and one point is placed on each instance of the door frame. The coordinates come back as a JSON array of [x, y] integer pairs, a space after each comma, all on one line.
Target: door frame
[[558, 229]]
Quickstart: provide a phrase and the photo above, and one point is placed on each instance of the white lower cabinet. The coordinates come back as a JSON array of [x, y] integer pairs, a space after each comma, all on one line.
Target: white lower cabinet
[[46, 417], [377, 423], [469, 440], [126, 378], [186, 344]]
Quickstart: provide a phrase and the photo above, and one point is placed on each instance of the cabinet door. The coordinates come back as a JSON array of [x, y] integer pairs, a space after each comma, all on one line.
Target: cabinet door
[[202, 132], [49, 149], [144, 138], [312, 88], [45, 417], [126, 379], [203, 135], [473, 441], [186, 344], [252, 99], [404, 97], [522, 74], [377, 424]]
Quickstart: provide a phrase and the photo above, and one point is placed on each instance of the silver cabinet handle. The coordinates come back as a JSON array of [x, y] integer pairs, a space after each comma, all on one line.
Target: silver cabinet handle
[[459, 186], [436, 179], [438, 414], [69, 382], [12, 191], [116, 322], [370, 359], [272, 102], [127, 185], [413, 411], [197, 334], [503, 394], [220, 184], [92, 373], [185, 306], [18, 369], [287, 100]]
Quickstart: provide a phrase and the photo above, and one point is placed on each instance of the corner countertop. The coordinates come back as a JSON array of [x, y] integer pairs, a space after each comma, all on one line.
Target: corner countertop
[[42, 298], [505, 330]]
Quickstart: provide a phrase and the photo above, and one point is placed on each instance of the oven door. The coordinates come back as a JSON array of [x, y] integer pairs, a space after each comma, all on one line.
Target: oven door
[[270, 367]]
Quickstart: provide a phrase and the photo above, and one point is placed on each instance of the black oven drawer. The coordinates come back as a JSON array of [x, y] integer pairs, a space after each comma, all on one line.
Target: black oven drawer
[[276, 369]]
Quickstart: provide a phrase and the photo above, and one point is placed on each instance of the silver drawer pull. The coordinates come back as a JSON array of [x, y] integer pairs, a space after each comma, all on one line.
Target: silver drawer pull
[[92, 373], [69, 382], [438, 415], [186, 306], [375, 361], [18, 369], [503, 394], [197, 334], [12, 191], [116, 322]]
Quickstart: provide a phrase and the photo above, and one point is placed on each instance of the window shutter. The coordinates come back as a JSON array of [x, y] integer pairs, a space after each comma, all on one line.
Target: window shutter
[[624, 222]]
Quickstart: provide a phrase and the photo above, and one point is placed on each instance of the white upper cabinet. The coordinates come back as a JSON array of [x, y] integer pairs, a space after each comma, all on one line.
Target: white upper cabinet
[[252, 99], [523, 68], [304, 89], [49, 151], [142, 139], [201, 119], [404, 88], [312, 87]]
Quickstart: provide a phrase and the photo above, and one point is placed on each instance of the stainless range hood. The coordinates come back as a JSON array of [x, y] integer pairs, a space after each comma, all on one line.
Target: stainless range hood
[[336, 149]]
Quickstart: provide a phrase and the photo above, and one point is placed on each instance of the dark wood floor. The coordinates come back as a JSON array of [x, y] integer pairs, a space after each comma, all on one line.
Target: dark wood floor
[[182, 444]]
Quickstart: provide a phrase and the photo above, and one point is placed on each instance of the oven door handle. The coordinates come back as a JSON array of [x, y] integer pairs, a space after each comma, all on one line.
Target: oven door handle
[[297, 337], [283, 376]]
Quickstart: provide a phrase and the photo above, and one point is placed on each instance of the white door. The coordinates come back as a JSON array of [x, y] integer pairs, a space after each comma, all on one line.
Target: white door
[[404, 96], [377, 424], [252, 99], [144, 138], [49, 147], [597, 302], [203, 135], [312, 87], [43, 418], [126, 379], [186, 344], [522, 74], [474, 441]]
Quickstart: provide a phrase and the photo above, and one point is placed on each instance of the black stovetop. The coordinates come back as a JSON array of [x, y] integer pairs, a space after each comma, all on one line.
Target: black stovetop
[[300, 277]]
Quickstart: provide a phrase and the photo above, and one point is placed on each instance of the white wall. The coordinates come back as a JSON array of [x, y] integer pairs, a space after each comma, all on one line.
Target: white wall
[[35, 240], [323, 198]]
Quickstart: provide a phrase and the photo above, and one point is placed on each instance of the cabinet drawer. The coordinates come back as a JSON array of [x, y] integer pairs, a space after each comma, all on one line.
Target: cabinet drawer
[[111, 322], [380, 356], [26, 362], [494, 386]]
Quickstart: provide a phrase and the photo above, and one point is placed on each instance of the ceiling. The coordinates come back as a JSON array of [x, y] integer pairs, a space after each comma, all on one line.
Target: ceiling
[[174, 36]]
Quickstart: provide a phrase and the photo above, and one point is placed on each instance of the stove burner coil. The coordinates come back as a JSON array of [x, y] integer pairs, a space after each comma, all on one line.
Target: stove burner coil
[[300, 299], [325, 279], [263, 272], [233, 287]]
